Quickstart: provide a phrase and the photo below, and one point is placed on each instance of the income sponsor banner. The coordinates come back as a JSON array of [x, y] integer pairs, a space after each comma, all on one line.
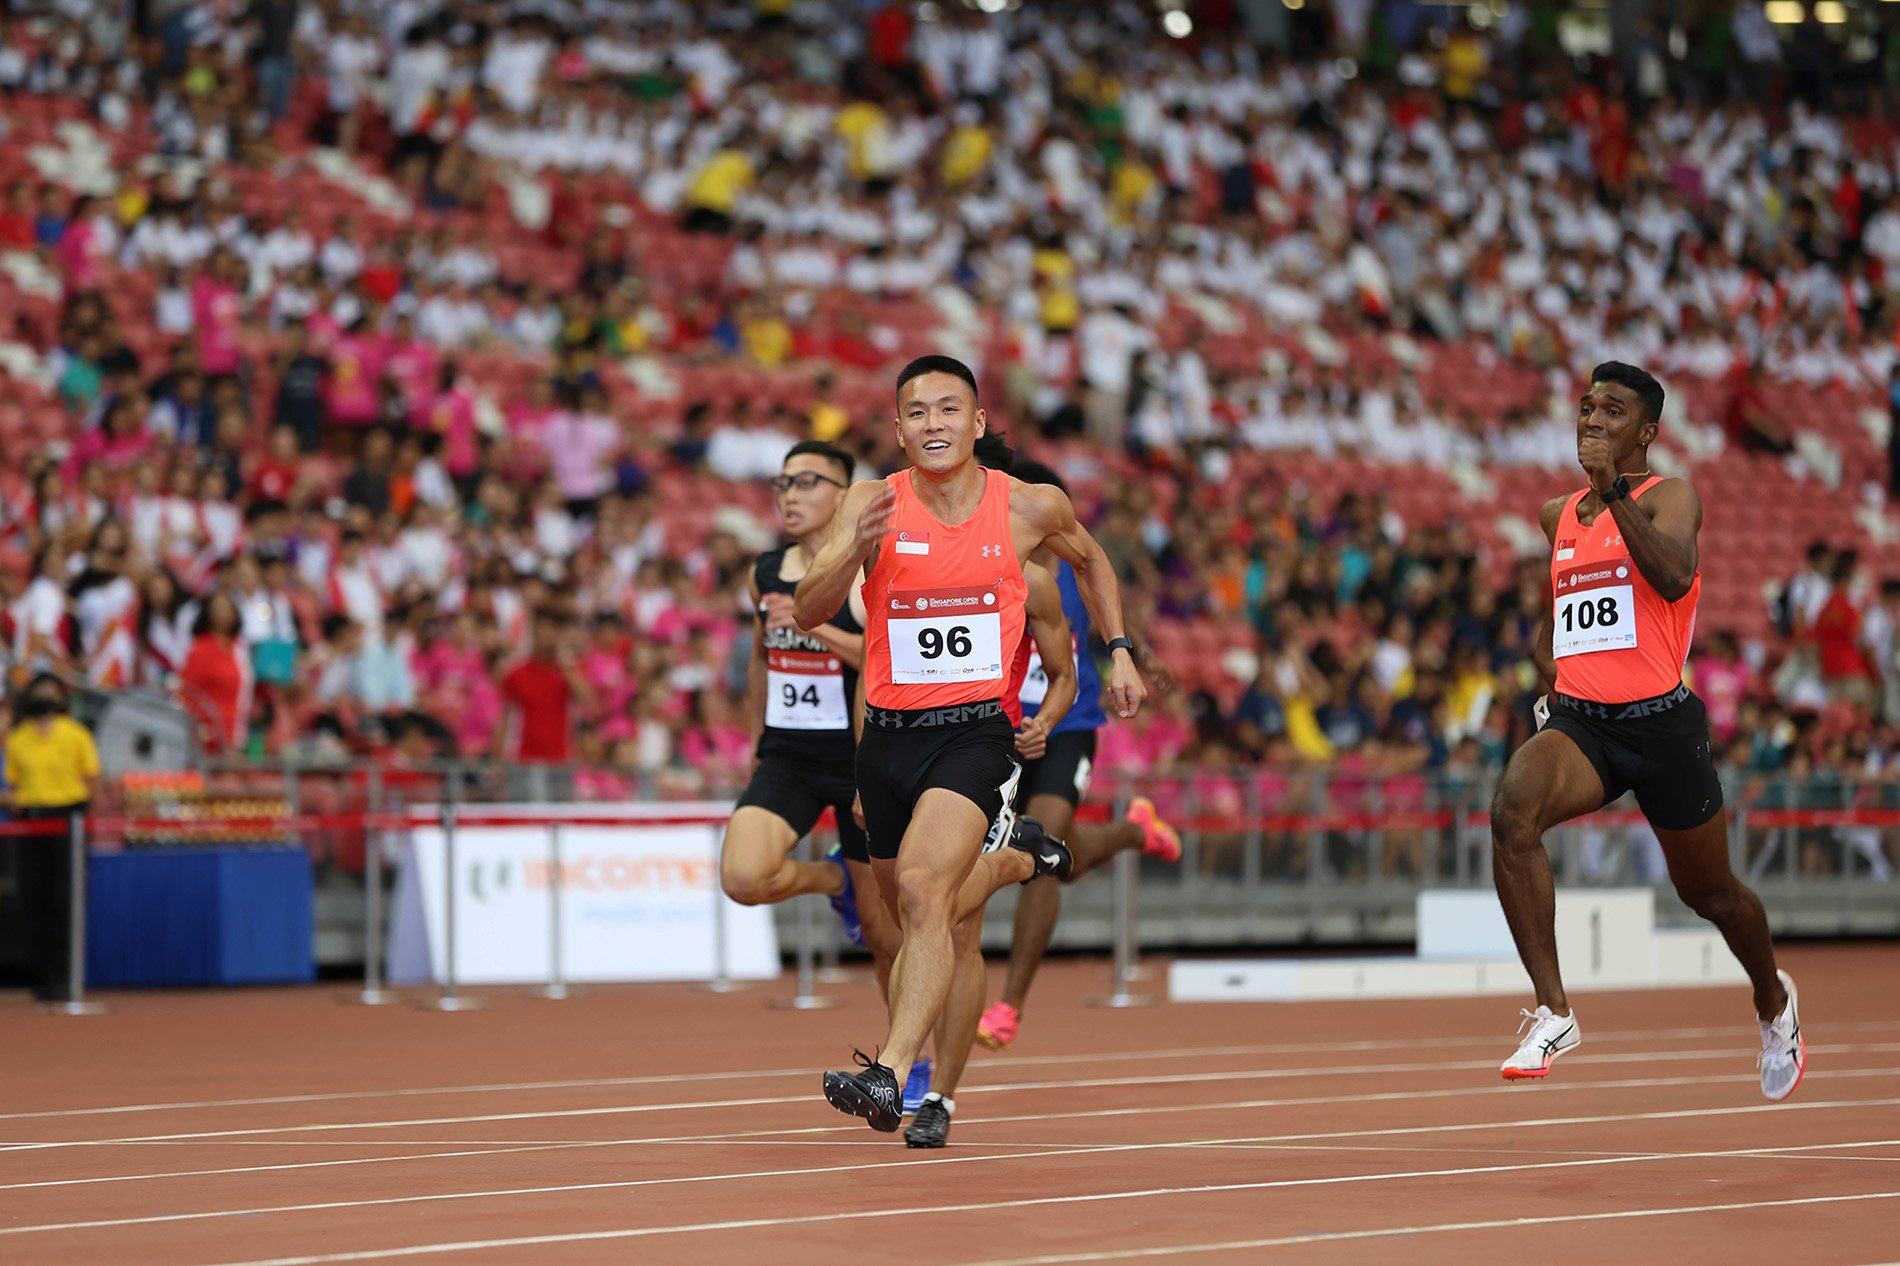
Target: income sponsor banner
[[636, 901]]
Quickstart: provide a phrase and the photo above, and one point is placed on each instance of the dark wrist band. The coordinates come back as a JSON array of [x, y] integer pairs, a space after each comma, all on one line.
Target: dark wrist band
[[1121, 644], [1617, 491]]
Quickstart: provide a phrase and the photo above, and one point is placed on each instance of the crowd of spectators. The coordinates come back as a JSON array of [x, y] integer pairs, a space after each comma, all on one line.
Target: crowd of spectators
[[492, 570]]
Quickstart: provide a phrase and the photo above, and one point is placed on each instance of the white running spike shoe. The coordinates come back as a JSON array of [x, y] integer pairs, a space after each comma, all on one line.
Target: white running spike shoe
[[1784, 1055], [1549, 1036]]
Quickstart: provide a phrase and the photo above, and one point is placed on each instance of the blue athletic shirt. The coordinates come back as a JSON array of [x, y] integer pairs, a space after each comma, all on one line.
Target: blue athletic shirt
[[1087, 713]]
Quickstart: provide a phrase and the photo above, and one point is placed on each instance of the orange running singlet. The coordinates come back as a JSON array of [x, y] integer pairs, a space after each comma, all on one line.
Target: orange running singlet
[[1615, 638], [943, 603]]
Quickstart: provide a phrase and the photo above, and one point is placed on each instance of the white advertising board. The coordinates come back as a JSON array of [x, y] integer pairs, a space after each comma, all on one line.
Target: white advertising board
[[636, 901]]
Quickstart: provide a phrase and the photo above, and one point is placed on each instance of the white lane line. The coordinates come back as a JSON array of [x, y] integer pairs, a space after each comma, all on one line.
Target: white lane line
[[577, 1237], [1597, 1039], [1038, 1155], [1646, 1058], [1323, 1237], [778, 1137]]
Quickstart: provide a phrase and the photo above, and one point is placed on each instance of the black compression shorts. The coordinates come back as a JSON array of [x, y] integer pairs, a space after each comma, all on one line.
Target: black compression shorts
[[799, 793], [1062, 770], [1658, 748], [966, 748]]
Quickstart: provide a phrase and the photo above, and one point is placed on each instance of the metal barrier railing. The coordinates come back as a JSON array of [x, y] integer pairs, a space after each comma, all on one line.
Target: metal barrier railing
[[1266, 859]]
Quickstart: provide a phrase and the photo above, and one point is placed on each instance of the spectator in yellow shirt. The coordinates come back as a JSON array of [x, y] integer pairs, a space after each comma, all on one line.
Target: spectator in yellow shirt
[[716, 188], [52, 774], [867, 133], [828, 421], [966, 151], [765, 335]]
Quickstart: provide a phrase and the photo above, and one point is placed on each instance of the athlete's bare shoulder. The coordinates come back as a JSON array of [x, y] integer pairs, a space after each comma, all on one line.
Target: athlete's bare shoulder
[[862, 491], [1041, 515], [1552, 514], [1673, 492], [1042, 506]]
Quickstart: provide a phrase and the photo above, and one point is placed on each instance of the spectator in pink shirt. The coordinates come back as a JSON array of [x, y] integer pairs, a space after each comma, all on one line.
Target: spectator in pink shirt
[[607, 668], [714, 740], [451, 414], [1721, 679], [356, 367], [118, 442], [454, 680], [80, 248], [414, 364], [217, 308], [581, 441]]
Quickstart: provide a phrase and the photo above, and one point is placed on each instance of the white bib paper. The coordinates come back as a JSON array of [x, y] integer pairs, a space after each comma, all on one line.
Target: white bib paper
[[805, 691], [1035, 682], [945, 636], [1594, 609]]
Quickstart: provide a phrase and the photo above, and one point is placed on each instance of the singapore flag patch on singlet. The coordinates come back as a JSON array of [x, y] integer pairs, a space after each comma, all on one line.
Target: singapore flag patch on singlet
[[944, 635], [1594, 609]]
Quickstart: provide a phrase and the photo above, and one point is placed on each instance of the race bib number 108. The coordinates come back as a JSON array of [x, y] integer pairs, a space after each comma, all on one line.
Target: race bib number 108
[[1594, 609]]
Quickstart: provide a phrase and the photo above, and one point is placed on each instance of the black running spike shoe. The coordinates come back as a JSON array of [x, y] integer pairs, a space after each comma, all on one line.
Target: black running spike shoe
[[931, 1126], [1051, 855], [872, 1094]]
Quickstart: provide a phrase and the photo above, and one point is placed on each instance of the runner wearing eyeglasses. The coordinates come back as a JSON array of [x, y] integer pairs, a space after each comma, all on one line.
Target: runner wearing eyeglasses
[[801, 693]]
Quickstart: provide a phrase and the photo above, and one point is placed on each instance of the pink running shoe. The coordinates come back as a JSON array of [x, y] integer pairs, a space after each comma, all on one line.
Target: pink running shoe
[[997, 1028], [1158, 838]]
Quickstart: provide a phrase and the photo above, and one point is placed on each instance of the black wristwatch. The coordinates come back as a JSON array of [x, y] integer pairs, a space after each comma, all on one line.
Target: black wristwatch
[[1122, 644], [1618, 490]]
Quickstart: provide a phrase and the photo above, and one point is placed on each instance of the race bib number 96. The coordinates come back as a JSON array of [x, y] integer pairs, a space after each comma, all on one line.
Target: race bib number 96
[[1594, 609], [945, 635]]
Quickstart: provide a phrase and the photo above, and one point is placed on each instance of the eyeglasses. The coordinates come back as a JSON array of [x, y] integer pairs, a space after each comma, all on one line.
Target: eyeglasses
[[804, 481]]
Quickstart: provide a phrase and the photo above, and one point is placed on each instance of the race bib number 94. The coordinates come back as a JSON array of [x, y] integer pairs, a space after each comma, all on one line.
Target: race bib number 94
[[945, 636], [1594, 609], [804, 691]]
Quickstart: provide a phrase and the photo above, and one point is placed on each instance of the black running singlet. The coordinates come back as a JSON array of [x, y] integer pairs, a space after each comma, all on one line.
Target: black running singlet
[[809, 690]]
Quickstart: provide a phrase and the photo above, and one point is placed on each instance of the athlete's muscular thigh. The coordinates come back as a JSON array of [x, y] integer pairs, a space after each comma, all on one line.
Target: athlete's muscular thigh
[[757, 840], [939, 848], [1549, 780]]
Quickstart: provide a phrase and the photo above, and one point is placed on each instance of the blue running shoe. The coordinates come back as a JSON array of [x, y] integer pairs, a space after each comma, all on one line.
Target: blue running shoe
[[917, 1085], [846, 902]]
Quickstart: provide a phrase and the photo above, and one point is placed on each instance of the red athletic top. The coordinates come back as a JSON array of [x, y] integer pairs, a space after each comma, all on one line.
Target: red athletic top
[[1018, 673], [943, 601], [1615, 638]]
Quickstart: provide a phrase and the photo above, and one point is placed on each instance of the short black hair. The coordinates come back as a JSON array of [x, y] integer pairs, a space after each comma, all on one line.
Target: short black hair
[[827, 450], [1640, 381], [936, 365]]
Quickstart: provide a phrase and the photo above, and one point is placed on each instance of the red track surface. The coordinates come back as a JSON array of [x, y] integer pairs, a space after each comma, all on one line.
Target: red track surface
[[660, 1124]]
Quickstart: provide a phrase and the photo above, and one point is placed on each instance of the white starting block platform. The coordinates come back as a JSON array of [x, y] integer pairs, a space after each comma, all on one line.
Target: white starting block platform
[[1606, 939]]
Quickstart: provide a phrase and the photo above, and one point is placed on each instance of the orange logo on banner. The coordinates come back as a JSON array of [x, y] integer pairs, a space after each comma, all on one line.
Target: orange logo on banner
[[614, 873]]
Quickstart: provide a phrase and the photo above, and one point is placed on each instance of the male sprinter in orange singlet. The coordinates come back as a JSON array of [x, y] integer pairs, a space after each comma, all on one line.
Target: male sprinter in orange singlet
[[1624, 584], [1055, 751], [942, 546]]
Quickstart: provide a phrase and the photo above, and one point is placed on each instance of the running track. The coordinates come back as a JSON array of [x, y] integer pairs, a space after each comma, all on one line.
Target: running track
[[661, 1124]]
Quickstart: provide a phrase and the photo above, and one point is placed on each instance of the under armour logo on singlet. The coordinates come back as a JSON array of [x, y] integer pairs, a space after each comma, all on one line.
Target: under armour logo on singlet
[[992, 551]]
